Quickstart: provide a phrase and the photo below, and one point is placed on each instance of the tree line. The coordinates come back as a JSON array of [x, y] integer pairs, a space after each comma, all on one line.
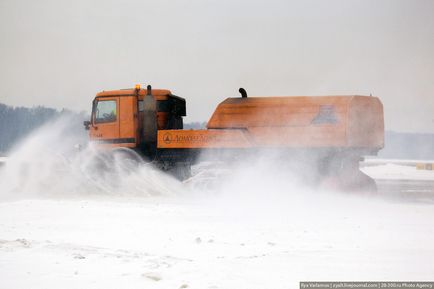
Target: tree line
[[18, 122]]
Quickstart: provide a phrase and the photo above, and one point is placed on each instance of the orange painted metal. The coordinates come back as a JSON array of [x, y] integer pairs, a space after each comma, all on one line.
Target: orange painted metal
[[188, 139], [110, 130], [323, 121], [126, 124], [159, 94], [127, 121]]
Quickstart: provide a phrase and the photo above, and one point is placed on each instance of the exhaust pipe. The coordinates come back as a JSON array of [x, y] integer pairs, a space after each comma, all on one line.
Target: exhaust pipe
[[150, 128], [243, 92]]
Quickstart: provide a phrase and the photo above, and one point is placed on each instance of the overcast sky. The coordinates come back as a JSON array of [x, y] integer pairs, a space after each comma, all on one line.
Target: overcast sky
[[60, 53]]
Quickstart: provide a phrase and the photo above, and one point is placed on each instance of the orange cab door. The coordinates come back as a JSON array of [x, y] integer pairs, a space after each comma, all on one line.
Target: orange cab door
[[105, 127], [128, 120]]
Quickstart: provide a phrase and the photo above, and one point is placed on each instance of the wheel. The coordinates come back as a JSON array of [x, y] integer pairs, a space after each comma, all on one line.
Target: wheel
[[341, 172], [126, 159], [179, 170]]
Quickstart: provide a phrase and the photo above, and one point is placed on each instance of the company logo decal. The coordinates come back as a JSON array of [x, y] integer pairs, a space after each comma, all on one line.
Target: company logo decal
[[326, 115], [167, 138]]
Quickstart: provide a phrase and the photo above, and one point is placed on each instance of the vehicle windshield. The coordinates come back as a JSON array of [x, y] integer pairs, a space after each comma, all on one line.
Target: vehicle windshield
[[105, 111]]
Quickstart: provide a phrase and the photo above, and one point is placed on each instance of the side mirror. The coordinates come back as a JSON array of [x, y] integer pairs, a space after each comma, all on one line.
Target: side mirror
[[86, 124]]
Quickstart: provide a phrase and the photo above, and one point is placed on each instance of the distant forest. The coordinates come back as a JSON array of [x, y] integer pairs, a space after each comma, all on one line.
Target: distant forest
[[18, 122], [415, 146]]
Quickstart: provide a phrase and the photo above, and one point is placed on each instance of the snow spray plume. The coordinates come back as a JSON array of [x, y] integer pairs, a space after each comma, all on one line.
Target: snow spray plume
[[269, 205], [48, 164], [285, 177]]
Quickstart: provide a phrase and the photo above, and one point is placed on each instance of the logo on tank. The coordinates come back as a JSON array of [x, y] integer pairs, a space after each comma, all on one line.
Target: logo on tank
[[167, 138], [326, 115]]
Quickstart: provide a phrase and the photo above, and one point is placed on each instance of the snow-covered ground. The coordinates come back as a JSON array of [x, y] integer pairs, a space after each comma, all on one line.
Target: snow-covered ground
[[217, 242], [406, 162], [391, 171], [64, 225]]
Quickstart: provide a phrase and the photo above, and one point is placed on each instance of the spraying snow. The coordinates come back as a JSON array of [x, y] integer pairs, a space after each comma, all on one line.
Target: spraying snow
[[49, 163], [65, 223]]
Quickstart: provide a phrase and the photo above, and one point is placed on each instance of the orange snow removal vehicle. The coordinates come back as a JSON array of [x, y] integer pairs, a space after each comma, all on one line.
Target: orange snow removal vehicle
[[323, 138]]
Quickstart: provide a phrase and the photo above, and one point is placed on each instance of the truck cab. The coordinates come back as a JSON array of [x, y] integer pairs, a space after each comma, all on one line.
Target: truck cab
[[131, 118]]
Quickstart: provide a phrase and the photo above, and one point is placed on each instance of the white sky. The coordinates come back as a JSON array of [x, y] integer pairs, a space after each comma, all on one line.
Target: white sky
[[60, 53]]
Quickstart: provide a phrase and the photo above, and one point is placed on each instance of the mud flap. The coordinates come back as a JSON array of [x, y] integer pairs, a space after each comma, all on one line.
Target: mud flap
[[341, 172]]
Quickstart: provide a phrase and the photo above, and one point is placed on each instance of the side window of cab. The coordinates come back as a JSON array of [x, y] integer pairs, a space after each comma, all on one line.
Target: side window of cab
[[105, 111]]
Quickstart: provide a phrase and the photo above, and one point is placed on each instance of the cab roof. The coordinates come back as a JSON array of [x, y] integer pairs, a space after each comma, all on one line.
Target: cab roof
[[132, 91], [159, 94]]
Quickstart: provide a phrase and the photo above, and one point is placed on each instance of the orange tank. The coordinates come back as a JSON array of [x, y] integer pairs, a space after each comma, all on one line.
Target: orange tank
[[326, 121], [317, 122]]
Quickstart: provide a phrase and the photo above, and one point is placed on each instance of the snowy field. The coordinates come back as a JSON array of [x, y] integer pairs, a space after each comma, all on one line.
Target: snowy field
[[391, 171], [63, 226], [219, 242]]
